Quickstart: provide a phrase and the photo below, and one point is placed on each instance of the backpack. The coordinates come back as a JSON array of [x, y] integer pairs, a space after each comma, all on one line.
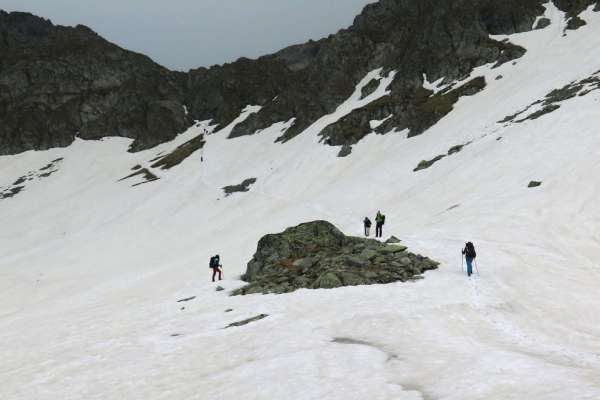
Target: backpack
[[470, 250], [214, 262]]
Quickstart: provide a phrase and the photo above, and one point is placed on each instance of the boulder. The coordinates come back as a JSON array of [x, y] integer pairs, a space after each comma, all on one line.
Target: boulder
[[393, 240], [316, 255], [303, 263], [328, 280]]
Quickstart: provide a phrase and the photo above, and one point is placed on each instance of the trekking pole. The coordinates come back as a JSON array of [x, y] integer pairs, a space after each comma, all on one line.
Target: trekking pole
[[476, 269], [462, 263]]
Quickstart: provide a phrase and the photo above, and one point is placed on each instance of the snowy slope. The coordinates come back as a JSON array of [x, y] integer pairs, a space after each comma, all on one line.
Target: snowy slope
[[91, 268]]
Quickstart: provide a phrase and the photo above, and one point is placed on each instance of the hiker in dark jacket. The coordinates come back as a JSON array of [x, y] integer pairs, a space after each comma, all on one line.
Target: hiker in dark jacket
[[367, 223], [470, 254], [379, 221], [215, 265]]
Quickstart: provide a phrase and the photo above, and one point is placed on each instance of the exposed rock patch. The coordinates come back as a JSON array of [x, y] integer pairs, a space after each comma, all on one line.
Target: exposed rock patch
[[424, 164], [542, 23], [145, 173], [21, 183], [316, 255], [247, 321], [423, 111], [240, 188], [551, 102], [186, 299], [345, 151], [534, 184], [181, 153], [393, 240], [370, 88]]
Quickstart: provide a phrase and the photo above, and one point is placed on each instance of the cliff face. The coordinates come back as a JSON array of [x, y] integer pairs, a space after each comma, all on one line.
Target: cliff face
[[58, 82]]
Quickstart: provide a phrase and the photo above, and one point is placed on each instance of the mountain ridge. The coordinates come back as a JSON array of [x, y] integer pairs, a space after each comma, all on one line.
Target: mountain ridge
[[90, 88]]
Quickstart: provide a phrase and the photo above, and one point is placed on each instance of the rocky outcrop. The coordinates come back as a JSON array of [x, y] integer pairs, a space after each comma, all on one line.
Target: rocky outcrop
[[57, 83], [239, 188], [316, 255]]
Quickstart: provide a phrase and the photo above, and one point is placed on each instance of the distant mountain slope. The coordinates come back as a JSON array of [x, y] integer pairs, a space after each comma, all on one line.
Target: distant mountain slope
[[57, 83]]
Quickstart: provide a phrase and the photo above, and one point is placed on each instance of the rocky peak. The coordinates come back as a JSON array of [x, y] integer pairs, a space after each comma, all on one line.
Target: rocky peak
[[59, 82]]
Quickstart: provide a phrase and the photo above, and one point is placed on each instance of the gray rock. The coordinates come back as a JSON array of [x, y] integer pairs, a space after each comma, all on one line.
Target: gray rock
[[240, 188], [534, 184], [186, 299], [393, 240], [328, 280], [351, 279], [393, 248], [219, 289], [281, 262], [345, 151], [354, 261], [247, 321], [368, 254], [542, 23], [303, 263], [405, 261]]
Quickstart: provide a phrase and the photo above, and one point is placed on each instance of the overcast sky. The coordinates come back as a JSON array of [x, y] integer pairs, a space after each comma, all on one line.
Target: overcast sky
[[183, 34]]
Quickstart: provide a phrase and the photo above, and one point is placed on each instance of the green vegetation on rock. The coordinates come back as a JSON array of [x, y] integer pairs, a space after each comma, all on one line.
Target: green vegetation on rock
[[316, 255]]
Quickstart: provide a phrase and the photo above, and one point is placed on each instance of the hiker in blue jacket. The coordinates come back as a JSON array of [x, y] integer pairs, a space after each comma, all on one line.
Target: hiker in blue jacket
[[470, 254]]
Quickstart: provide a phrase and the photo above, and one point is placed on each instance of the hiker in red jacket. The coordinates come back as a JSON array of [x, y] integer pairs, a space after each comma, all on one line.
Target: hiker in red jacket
[[215, 265]]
